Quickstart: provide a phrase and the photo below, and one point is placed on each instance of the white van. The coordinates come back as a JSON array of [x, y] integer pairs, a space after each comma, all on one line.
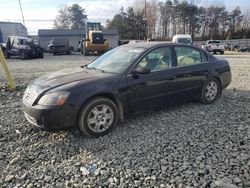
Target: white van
[[185, 39]]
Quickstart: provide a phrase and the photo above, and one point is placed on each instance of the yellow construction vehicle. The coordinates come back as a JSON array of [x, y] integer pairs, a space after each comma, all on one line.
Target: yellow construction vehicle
[[94, 40]]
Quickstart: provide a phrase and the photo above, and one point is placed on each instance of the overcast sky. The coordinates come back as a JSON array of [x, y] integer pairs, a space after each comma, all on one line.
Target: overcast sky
[[39, 14]]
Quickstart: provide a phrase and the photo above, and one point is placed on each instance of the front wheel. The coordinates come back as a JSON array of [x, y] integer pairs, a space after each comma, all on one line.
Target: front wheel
[[5, 53], [211, 91], [98, 117], [23, 55]]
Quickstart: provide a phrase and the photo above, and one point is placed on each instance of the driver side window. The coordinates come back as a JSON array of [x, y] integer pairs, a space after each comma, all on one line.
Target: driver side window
[[157, 59]]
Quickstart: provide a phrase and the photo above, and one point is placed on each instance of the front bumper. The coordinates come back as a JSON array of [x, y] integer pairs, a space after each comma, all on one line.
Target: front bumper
[[33, 53], [50, 117], [215, 50]]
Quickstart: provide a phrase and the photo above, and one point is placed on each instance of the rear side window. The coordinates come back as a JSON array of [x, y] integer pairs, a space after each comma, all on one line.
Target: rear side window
[[189, 56], [214, 42]]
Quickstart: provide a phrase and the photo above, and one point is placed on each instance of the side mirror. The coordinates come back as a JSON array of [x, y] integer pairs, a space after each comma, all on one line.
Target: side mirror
[[141, 70]]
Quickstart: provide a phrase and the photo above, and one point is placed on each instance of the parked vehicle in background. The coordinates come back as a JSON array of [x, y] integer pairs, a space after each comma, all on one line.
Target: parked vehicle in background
[[214, 46], [59, 46], [128, 78], [94, 40], [21, 46], [135, 41], [184, 39]]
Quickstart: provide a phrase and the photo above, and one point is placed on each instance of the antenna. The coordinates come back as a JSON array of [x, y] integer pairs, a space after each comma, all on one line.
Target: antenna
[[21, 11]]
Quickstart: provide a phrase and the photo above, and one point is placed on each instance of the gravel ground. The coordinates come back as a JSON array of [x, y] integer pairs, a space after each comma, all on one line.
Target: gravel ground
[[190, 145]]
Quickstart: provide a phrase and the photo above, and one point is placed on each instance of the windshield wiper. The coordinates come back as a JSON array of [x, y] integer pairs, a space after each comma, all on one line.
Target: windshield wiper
[[99, 70], [84, 66]]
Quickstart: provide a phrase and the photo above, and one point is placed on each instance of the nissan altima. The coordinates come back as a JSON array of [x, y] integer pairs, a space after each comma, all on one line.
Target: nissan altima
[[94, 97]]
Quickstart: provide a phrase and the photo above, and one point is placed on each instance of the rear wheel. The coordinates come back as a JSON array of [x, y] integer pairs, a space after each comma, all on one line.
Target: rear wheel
[[98, 117], [222, 52], [211, 91], [41, 55]]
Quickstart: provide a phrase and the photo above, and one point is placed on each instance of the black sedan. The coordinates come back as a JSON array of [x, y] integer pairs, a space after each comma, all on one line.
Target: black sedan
[[131, 77]]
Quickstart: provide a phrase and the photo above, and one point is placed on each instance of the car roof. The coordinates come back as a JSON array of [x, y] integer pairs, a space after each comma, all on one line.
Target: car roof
[[148, 45], [18, 37], [183, 35]]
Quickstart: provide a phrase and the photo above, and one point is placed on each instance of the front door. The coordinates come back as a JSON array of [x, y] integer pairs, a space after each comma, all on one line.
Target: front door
[[15, 47], [156, 87]]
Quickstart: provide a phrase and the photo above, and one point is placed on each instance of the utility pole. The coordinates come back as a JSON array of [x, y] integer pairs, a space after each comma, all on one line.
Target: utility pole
[[21, 11], [146, 20]]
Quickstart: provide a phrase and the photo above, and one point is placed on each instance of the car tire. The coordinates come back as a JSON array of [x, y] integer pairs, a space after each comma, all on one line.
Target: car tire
[[23, 55], [5, 53], [221, 53], [41, 55], [211, 91], [85, 52], [98, 117], [215, 52]]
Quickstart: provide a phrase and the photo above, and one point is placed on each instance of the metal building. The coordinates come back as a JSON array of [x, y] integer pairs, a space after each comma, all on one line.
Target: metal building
[[12, 29], [74, 36]]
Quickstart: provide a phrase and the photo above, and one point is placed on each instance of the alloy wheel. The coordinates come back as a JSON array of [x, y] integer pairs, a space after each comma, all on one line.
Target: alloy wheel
[[211, 90], [100, 118]]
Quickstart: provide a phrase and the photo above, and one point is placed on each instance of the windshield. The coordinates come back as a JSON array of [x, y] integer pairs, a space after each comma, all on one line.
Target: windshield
[[116, 60], [184, 40]]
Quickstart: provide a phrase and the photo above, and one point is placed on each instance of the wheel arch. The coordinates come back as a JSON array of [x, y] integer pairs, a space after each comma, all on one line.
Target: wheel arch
[[110, 96], [220, 82]]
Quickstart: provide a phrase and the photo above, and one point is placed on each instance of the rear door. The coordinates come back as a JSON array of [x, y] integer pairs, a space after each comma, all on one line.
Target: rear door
[[192, 70]]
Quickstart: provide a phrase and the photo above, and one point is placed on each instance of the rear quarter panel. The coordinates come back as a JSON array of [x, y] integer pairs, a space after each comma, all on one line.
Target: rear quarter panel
[[220, 68]]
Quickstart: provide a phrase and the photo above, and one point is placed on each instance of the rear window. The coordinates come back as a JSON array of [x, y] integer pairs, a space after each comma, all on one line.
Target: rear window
[[214, 42], [184, 40], [189, 56]]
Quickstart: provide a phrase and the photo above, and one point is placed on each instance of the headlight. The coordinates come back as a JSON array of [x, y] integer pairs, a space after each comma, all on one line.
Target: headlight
[[57, 98]]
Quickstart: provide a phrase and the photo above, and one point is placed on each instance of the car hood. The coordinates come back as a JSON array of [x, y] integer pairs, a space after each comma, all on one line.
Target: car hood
[[56, 79]]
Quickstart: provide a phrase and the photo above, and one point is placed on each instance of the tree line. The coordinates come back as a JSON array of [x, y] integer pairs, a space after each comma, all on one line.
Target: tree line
[[161, 20], [165, 19]]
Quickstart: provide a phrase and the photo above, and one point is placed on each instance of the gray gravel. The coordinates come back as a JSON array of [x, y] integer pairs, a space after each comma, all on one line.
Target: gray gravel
[[190, 145]]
